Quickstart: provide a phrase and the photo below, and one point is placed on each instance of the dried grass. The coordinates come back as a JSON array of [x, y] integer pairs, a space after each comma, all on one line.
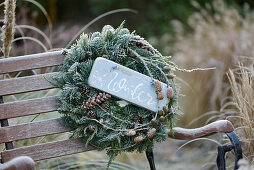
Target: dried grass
[[8, 27], [219, 37], [242, 86], [218, 34]]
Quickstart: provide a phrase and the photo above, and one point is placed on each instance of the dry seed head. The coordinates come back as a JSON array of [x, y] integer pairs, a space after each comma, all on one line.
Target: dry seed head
[[8, 28]]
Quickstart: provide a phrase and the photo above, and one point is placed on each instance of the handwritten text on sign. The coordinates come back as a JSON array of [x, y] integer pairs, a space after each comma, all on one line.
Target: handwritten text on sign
[[126, 84]]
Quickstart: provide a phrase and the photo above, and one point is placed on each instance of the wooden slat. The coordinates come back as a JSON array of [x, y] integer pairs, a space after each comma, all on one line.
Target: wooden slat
[[47, 150], [31, 61], [30, 130], [28, 107], [26, 84]]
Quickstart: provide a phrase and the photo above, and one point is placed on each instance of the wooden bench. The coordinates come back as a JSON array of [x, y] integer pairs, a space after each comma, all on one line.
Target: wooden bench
[[9, 134]]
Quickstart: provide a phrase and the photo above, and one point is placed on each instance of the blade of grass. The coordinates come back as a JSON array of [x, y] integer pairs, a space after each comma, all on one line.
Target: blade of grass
[[38, 31], [96, 19], [46, 15], [32, 39]]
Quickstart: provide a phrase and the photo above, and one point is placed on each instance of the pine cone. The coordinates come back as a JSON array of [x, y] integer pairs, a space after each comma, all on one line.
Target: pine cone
[[165, 109], [151, 133], [83, 107], [91, 127], [162, 119], [167, 68], [105, 56], [139, 139], [160, 95], [95, 100], [105, 105], [91, 114], [170, 76], [161, 79], [157, 86], [130, 133], [161, 113], [136, 118], [87, 55], [142, 119], [170, 93], [154, 122], [84, 90], [121, 52], [143, 44]]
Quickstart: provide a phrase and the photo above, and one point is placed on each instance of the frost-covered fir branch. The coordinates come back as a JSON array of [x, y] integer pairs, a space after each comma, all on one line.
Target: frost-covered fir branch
[[119, 128]]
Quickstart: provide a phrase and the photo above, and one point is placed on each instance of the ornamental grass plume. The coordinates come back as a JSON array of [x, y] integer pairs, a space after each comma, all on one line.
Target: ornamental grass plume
[[8, 27], [217, 35], [242, 87]]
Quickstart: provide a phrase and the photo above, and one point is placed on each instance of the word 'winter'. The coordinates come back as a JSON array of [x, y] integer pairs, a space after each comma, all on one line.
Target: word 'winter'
[[126, 84]]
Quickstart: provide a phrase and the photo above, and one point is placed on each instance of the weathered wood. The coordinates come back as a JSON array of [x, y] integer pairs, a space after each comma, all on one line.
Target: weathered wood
[[4, 122], [126, 84], [220, 126], [30, 130], [26, 84], [28, 107], [31, 61], [19, 163], [48, 150]]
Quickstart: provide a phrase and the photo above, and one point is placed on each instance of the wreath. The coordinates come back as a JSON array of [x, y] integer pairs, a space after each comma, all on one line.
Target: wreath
[[102, 120]]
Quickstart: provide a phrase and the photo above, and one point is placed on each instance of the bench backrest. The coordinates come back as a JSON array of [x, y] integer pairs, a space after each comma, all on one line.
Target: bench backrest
[[15, 109]]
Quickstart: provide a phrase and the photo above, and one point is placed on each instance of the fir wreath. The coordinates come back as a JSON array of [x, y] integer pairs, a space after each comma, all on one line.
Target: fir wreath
[[97, 117]]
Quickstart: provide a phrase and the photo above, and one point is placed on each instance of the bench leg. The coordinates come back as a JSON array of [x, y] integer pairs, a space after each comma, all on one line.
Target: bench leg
[[150, 159], [235, 146]]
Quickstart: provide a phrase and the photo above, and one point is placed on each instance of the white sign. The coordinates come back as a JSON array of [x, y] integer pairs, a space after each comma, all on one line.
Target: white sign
[[126, 84]]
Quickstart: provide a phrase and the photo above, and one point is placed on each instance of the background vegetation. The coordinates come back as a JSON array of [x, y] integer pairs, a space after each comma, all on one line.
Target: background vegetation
[[196, 33]]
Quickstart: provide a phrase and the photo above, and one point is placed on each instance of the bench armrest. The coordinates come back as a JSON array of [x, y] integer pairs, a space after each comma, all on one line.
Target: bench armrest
[[220, 126], [22, 162]]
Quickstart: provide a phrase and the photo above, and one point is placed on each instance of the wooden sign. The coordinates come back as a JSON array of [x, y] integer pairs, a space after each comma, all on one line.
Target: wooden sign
[[126, 84]]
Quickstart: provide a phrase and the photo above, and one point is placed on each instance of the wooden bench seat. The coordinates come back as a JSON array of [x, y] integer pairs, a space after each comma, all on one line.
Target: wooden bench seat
[[15, 109]]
